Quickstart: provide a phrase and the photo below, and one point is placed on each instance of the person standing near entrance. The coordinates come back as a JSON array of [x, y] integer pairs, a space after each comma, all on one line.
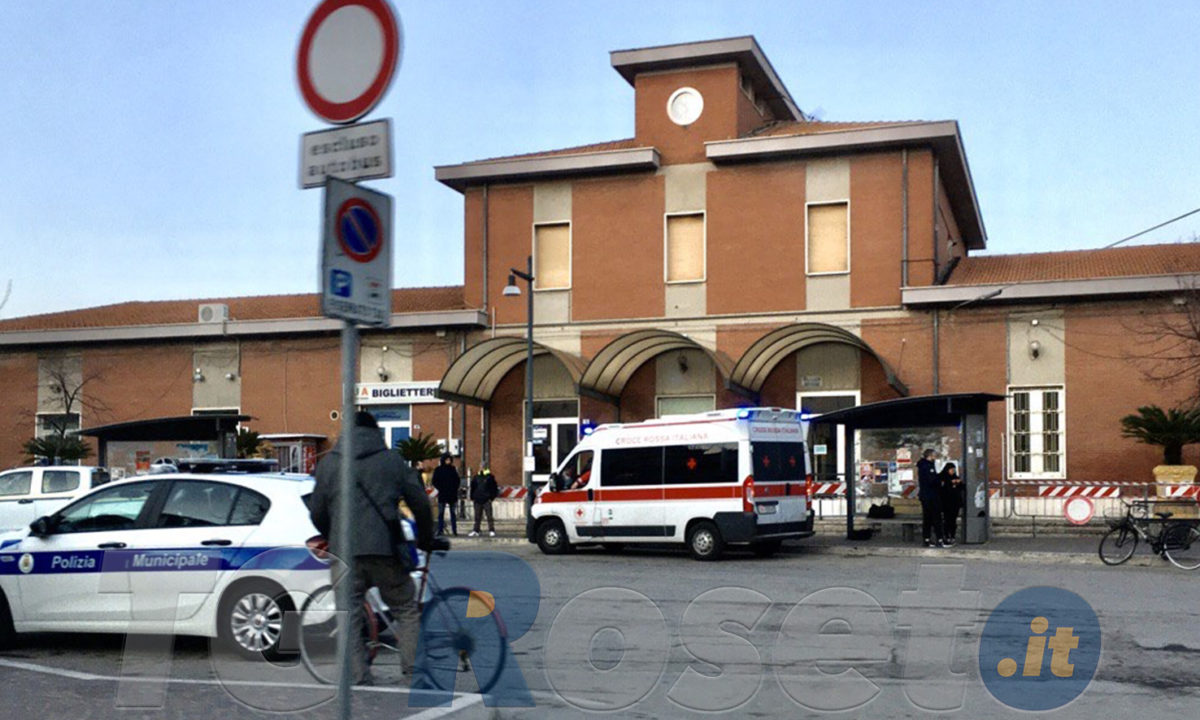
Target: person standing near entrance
[[953, 498], [929, 492], [483, 491], [447, 482]]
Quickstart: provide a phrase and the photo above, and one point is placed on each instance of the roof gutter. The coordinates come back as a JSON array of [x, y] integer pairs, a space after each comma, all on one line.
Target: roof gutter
[[1048, 290], [233, 328], [461, 176]]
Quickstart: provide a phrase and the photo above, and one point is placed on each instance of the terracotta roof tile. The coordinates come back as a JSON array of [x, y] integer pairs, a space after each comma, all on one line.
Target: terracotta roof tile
[[1131, 261], [626, 144], [262, 307], [813, 127], [808, 127]]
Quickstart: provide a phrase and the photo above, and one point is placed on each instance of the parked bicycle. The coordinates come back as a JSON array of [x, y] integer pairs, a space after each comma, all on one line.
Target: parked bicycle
[[456, 625], [1176, 540]]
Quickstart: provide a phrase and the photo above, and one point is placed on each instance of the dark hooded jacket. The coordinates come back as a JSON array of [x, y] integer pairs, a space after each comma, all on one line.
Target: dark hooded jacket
[[381, 479]]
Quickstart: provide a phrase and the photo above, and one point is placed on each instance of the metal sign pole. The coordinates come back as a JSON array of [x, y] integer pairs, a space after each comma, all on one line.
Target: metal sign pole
[[344, 537]]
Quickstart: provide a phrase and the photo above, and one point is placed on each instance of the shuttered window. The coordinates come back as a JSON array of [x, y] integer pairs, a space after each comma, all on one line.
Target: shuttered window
[[685, 248], [828, 238], [552, 256], [1036, 431]]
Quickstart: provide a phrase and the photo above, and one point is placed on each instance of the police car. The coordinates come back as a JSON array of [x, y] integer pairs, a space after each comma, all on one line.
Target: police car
[[222, 556]]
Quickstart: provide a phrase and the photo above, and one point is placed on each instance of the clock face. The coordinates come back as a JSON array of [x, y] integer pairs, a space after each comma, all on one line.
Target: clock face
[[685, 105]]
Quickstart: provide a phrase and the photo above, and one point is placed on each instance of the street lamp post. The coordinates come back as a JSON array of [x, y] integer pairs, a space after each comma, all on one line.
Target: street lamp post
[[512, 290]]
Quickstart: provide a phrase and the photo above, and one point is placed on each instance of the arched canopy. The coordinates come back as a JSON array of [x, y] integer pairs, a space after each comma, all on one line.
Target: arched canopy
[[769, 350], [608, 372], [473, 377]]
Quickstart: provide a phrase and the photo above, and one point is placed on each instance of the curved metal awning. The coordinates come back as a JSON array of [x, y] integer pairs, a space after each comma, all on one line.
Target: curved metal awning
[[608, 372], [473, 377], [769, 350]]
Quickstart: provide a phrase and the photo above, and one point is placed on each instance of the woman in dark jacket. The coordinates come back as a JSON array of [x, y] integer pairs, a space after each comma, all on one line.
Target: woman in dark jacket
[[953, 496]]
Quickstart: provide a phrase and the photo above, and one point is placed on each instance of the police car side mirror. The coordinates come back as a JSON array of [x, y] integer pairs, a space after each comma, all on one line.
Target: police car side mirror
[[41, 527]]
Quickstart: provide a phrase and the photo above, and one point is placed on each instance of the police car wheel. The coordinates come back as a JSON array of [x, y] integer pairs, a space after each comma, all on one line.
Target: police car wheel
[[704, 541], [7, 635], [552, 538], [251, 619]]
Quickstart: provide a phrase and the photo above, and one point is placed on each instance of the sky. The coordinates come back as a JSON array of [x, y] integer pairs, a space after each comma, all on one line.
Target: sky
[[152, 147]]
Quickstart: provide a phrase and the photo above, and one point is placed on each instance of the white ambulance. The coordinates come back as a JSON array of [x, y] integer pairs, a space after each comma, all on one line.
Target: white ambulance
[[707, 480]]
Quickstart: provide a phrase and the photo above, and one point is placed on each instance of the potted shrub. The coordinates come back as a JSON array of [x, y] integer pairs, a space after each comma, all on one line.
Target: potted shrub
[[1170, 429]]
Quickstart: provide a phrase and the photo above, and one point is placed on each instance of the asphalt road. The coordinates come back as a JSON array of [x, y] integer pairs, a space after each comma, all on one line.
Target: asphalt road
[[652, 633]]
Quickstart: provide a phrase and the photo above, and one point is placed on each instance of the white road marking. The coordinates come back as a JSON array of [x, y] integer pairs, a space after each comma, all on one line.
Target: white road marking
[[460, 701]]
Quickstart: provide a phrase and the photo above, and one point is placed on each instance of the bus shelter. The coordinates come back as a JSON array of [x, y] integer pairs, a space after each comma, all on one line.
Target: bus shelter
[[965, 411]]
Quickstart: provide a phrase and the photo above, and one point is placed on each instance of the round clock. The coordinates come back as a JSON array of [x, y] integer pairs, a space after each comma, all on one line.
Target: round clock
[[685, 105]]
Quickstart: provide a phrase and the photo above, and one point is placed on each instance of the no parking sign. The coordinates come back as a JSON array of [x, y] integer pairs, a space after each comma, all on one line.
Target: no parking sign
[[356, 256]]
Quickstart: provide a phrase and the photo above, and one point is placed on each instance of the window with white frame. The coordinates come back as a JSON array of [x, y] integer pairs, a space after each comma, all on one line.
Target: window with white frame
[[827, 231], [685, 247], [552, 256], [1036, 432], [56, 424]]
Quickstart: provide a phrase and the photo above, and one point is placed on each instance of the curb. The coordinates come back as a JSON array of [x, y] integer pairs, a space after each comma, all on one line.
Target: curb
[[957, 552]]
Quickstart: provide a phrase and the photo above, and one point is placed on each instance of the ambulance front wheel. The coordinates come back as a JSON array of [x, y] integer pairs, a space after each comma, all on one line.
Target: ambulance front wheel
[[552, 537], [704, 541]]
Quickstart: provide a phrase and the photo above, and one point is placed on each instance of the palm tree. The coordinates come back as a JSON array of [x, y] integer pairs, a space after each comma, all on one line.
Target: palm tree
[[1171, 429], [420, 447], [248, 443], [57, 449]]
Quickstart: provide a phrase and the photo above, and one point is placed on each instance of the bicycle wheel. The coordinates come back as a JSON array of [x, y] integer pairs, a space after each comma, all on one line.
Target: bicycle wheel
[[1181, 545], [318, 634], [1118, 545], [454, 628]]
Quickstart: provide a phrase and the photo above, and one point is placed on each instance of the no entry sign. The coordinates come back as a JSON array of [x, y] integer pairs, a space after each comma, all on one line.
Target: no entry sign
[[348, 53]]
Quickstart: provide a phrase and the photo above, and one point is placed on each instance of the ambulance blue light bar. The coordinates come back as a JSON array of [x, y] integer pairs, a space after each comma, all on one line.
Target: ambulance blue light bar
[[769, 414]]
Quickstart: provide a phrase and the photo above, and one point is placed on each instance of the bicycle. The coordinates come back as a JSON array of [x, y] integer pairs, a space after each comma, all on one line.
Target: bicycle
[[1177, 541], [448, 638]]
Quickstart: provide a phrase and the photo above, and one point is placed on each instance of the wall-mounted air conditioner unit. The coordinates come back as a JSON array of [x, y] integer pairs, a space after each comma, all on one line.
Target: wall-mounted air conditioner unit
[[213, 313]]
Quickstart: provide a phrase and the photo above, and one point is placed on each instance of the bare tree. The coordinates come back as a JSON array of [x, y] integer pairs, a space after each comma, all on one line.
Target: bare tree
[[1168, 348], [55, 438]]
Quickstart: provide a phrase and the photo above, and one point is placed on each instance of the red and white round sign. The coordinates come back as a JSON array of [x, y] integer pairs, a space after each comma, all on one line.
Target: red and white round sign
[[1078, 510], [349, 51]]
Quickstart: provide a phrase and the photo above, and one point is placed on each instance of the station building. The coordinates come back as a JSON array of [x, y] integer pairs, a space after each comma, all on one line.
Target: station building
[[733, 251]]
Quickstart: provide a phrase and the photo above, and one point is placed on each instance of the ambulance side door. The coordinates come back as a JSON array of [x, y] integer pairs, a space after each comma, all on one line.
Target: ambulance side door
[[630, 497]]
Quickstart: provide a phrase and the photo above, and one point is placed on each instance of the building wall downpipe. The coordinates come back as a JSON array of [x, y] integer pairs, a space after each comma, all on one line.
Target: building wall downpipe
[[904, 218]]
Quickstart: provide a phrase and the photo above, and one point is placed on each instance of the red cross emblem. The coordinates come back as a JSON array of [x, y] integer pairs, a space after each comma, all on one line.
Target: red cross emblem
[[691, 463], [578, 512], [766, 461]]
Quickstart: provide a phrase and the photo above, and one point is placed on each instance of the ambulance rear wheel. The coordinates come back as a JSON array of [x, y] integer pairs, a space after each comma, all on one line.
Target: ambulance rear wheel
[[704, 541], [552, 537]]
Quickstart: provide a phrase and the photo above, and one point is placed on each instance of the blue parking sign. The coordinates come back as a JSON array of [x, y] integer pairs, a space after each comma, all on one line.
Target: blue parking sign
[[341, 283]]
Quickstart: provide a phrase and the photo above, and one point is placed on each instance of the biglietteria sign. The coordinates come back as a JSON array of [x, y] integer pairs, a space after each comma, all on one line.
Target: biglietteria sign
[[398, 393]]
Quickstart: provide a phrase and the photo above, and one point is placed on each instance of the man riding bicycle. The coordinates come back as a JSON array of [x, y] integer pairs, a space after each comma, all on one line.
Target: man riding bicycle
[[380, 479]]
